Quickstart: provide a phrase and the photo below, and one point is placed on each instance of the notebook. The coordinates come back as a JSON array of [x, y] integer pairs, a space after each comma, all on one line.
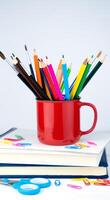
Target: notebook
[[23, 147], [51, 171]]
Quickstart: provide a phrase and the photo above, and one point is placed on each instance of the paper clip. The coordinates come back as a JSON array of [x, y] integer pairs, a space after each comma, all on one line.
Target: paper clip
[[57, 182], [74, 186]]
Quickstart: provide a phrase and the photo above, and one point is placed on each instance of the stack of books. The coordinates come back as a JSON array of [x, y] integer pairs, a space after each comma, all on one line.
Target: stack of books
[[22, 155]]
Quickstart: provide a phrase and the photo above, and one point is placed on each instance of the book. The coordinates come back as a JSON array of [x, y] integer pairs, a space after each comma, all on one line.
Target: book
[[51, 171], [23, 147]]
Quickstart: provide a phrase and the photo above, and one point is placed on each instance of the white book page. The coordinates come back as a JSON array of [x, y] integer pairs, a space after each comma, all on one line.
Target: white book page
[[27, 139]]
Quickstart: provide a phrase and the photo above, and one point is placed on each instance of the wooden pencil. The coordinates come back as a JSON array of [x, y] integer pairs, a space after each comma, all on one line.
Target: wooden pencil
[[78, 78], [37, 68]]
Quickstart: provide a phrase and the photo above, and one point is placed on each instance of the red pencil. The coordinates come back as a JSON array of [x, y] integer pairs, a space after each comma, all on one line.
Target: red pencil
[[49, 79]]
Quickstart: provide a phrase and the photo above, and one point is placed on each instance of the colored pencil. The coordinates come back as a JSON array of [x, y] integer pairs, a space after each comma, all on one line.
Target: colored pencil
[[53, 76], [78, 79], [95, 61], [46, 86], [59, 73], [72, 84], [37, 68], [92, 65], [49, 80], [68, 73], [17, 73], [97, 56], [83, 79], [95, 69], [65, 78], [36, 87], [29, 61]]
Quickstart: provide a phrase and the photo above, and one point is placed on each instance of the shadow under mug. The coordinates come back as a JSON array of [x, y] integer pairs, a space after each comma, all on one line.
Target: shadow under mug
[[58, 122]]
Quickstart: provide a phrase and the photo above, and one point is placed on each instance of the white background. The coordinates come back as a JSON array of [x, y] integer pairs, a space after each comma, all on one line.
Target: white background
[[74, 28]]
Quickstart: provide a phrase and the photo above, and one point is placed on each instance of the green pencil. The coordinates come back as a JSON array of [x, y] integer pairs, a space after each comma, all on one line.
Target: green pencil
[[68, 73], [95, 69]]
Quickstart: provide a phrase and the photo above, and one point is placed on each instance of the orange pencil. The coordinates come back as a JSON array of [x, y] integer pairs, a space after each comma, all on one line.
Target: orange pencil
[[37, 68]]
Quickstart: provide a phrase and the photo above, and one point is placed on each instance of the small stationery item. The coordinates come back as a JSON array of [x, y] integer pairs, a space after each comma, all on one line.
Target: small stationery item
[[89, 63], [65, 78], [22, 147], [7, 131], [29, 61], [28, 186], [18, 74], [57, 182], [95, 69], [31, 186], [47, 87], [28, 189], [51, 71], [68, 73], [72, 84], [61, 131], [37, 68], [91, 66], [54, 171], [59, 72], [36, 87], [49, 80], [74, 186], [78, 79], [95, 60]]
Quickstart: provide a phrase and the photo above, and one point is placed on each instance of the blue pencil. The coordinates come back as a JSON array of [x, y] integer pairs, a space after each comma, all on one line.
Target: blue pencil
[[65, 77]]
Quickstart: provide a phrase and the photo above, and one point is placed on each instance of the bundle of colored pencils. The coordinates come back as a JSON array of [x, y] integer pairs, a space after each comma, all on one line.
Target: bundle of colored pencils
[[46, 85]]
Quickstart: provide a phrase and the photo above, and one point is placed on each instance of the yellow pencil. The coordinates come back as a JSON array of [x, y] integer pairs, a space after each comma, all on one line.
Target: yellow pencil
[[59, 73], [78, 79]]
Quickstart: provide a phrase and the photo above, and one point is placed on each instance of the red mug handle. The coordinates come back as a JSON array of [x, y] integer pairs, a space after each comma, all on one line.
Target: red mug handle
[[95, 117]]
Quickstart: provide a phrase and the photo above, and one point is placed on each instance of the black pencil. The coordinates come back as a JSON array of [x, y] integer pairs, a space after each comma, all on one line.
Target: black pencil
[[95, 69], [28, 80], [36, 87], [17, 73]]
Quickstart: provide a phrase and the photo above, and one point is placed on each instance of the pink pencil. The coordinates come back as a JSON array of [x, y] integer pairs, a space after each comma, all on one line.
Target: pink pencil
[[51, 71]]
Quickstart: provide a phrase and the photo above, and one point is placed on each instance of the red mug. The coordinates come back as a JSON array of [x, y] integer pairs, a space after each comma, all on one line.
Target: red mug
[[58, 122]]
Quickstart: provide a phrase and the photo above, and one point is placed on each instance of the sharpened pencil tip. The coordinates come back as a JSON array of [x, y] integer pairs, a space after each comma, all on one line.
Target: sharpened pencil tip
[[13, 54], [34, 50], [85, 61], [99, 53], [102, 59], [2, 55], [14, 60], [63, 56], [11, 57], [25, 47]]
